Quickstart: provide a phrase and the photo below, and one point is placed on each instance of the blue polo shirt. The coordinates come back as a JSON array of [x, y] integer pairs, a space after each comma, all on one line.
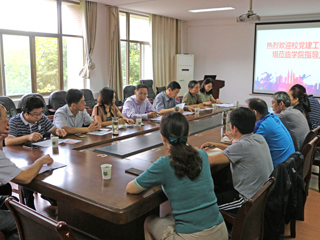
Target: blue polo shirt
[[162, 101], [277, 136]]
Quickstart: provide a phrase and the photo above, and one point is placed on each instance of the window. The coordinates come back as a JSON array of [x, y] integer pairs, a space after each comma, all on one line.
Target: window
[[41, 46], [136, 54]]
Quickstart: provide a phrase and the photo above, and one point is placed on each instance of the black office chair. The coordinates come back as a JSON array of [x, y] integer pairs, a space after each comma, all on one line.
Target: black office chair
[[128, 91], [24, 98], [57, 99], [88, 97], [160, 89], [149, 83], [9, 105]]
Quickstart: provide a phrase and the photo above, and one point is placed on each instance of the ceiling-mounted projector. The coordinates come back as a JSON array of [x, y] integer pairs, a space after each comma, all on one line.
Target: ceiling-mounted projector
[[250, 16]]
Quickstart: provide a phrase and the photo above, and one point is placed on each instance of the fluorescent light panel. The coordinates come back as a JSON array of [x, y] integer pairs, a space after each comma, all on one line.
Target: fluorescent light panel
[[211, 9]]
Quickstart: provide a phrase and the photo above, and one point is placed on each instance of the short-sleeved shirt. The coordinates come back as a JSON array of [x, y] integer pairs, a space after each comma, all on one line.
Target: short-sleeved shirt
[[99, 110], [20, 127], [194, 203], [64, 118], [162, 101], [8, 170], [189, 99], [250, 164], [314, 115], [277, 136], [133, 109], [296, 124], [205, 97]]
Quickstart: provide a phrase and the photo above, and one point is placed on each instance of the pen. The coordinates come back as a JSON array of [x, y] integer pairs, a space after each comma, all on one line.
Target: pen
[[210, 146]]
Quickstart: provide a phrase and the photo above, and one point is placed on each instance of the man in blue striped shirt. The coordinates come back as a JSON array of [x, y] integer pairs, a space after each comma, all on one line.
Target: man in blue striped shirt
[[31, 124]]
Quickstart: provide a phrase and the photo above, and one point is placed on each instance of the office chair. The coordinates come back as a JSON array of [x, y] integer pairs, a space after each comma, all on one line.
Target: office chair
[[9, 105], [128, 91], [149, 83], [57, 99]]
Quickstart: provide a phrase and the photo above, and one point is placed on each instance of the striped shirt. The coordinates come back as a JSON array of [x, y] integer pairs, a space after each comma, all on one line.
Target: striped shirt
[[314, 115], [20, 127]]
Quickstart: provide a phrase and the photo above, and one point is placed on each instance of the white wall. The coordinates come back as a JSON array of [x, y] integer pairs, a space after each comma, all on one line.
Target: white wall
[[99, 77], [225, 48]]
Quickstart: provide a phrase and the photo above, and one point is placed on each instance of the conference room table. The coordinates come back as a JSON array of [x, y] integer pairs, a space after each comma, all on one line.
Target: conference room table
[[100, 207]]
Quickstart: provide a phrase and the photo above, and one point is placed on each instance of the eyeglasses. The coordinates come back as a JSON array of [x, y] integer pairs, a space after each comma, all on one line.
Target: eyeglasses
[[6, 117], [35, 114]]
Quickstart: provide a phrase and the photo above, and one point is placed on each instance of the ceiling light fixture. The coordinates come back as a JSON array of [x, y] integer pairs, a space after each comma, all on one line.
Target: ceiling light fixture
[[211, 9]]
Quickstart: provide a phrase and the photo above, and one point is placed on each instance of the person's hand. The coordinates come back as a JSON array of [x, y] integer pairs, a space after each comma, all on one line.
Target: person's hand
[[33, 137], [152, 114], [97, 126], [94, 126], [122, 121], [218, 101], [5, 133], [181, 110], [130, 121], [229, 135], [61, 132], [46, 159], [191, 109], [205, 145]]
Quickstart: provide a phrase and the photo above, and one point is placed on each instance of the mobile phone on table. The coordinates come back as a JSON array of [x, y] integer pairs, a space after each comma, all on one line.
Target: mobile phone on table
[[30, 146], [80, 135], [134, 171]]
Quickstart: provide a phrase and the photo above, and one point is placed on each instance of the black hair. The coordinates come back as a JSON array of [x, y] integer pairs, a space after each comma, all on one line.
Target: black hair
[[73, 96], [302, 88], [192, 83], [206, 82], [258, 105], [106, 97], [32, 102], [244, 119], [297, 92], [141, 86], [184, 159], [174, 85], [282, 97]]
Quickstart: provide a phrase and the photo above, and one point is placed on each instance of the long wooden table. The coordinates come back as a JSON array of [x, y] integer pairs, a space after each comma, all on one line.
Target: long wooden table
[[86, 201]]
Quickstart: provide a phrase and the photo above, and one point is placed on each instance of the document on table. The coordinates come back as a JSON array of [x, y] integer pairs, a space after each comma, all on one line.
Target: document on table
[[225, 105], [226, 140], [48, 143], [187, 113], [121, 126], [100, 132], [213, 151], [156, 119], [180, 105], [45, 168]]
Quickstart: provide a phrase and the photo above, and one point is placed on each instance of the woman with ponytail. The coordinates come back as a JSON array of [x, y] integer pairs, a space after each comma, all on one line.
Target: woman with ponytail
[[186, 179], [300, 101]]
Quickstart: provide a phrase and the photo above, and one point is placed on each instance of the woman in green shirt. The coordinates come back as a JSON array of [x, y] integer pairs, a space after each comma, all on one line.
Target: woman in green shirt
[[206, 92]]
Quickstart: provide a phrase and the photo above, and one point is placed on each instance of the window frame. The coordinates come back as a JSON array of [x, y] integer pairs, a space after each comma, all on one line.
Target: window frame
[[128, 41], [32, 35]]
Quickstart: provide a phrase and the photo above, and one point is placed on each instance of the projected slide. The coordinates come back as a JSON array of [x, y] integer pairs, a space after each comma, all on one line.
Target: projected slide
[[287, 54]]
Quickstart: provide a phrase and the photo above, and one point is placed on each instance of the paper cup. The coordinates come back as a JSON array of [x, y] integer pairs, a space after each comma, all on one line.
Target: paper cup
[[55, 142], [138, 121], [197, 111], [106, 171]]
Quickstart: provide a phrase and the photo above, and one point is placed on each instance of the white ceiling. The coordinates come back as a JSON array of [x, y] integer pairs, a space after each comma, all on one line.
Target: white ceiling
[[179, 8]]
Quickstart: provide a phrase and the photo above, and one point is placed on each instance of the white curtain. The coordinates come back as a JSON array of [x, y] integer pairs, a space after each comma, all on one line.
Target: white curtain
[[89, 25], [166, 43], [115, 52]]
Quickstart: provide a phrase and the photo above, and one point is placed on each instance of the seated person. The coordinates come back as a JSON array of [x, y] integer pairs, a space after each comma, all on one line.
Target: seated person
[[314, 115], [272, 129], [249, 159], [138, 106], [292, 119], [72, 116], [186, 179], [300, 101], [10, 172], [206, 92], [192, 98], [166, 100], [105, 110], [31, 124]]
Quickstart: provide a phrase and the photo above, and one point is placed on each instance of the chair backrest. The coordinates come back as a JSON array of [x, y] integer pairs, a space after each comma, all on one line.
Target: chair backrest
[[308, 153], [9, 105], [88, 98], [33, 225], [24, 98], [248, 224], [117, 103], [311, 135], [149, 83], [128, 91], [160, 89], [57, 99]]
